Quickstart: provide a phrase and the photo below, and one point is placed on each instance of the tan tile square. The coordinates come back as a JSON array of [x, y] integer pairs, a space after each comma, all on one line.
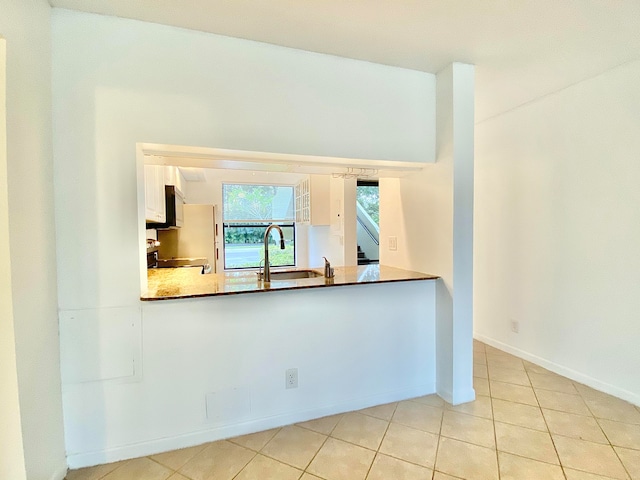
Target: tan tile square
[[218, 461], [409, 444], [574, 426], [526, 443], [140, 469], [468, 428], [533, 368], [494, 351], [631, 461], [503, 355], [324, 425], [480, 358], [513, 393], [478, 346], [577, 475], [481, 386], [389, 468], [518, 414], [588, 392], [308, 476], [480, 370], [261, 468], [621, 434], [552, 382], [175, 459], [431, 400], [612, 408], [294, 446], [338, 460], [383, 412], [443, 476], [177, 476], [504, 361], [563, 402], [93, 473], [518, 468], [508, 375], [418, 415], [480, 407], [360, 429], [589, 457], [255, 441], [466, 461]]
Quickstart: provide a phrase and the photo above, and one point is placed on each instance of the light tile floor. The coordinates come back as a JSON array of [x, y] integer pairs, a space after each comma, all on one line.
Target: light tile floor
[[527, 423]]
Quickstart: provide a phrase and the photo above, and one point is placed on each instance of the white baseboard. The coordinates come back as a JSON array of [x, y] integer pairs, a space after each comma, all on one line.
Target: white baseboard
[[564, 371], [458, 397], [159, 445], [60, 473]]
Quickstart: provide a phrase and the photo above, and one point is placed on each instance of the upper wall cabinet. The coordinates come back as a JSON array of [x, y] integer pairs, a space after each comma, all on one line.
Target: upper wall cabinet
[[312, 200], [172, 176], [154, 197]]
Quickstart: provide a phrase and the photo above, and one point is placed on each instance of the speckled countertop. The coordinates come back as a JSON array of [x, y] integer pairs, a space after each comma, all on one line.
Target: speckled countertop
[[173, 283]]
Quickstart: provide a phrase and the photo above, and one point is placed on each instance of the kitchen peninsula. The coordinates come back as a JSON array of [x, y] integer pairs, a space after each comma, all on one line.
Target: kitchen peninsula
[[189, 282]]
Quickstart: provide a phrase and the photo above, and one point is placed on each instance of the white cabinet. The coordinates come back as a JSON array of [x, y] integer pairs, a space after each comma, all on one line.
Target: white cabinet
[[172, 176], [155, 209], [312, 200]]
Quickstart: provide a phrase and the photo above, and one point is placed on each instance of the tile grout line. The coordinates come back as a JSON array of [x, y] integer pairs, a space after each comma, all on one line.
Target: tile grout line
[[435, 459], [381, 440], [323, 444], [493, 422], [555, 449], [255, 454]]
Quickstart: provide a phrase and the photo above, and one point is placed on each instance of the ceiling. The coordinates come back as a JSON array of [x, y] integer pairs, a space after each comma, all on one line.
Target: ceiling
[[522, 49]]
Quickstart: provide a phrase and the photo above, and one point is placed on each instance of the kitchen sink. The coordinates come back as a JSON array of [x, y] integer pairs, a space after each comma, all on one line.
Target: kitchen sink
[[293, 274]]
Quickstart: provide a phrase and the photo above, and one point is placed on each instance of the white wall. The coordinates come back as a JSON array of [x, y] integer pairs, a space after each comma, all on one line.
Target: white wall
[[26, 27], [431, 215], [342, 244], [557, 231], [11, 453], [118, 82], [354, 347]]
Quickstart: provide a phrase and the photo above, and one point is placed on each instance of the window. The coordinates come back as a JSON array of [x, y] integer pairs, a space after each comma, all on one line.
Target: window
[[247, 212]]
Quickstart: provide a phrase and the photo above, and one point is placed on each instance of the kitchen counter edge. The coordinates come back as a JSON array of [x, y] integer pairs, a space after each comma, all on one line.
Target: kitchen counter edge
[[180, 283]]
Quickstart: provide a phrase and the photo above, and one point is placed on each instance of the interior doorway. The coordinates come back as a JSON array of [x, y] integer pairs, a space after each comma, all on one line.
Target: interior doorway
[[368, 221]]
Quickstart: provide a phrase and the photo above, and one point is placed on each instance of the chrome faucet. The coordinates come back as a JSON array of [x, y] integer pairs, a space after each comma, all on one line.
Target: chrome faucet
[[328, 269], [267, 271]]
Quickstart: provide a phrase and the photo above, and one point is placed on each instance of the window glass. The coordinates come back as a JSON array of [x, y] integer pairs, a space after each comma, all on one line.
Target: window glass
[[248, 211]]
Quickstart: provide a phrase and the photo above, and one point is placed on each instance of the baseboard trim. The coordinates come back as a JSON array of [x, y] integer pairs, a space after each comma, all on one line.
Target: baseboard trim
[[60, 473], [561, 370], [457, 397], [159, 445]]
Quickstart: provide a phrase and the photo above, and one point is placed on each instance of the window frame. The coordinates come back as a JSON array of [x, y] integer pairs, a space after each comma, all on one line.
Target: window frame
[[257, 223]]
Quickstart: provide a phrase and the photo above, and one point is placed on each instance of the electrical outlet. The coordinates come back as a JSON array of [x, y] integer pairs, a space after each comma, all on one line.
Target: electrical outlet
[[515, 326], [393, 243], [291, 378]]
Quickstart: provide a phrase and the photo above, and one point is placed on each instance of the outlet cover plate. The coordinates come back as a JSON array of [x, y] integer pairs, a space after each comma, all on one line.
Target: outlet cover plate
[[291, 378]]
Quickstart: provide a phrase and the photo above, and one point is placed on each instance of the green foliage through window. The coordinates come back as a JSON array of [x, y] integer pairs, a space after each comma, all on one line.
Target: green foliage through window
[[369, 198], [247, 211]]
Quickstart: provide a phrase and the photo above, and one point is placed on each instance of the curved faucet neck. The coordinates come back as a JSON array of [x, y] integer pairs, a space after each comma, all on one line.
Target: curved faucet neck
[[267, 269]]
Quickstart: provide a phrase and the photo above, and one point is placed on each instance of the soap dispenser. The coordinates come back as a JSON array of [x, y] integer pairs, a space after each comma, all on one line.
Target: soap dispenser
[[328, 269]]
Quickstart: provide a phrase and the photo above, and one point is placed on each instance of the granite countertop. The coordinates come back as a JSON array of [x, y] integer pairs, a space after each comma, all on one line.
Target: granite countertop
[[174, 283]]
